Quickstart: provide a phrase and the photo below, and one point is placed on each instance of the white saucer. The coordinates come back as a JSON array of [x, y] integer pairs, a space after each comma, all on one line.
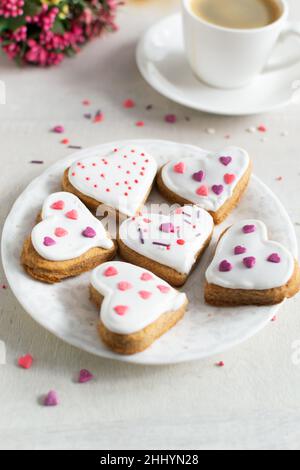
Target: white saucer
[[65, 308], [162, 62]]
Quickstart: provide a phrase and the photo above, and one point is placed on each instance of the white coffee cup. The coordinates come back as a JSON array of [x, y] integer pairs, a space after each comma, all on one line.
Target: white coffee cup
[[232, 58]]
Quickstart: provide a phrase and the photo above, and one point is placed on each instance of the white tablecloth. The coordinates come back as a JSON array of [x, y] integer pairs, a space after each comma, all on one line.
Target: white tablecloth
[[253, 402]]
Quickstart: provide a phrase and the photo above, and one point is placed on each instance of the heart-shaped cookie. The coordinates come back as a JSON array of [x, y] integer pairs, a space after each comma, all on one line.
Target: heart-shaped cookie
[[215, 182], [132, 318], [248, 268], [60, 237], [168, 245], [121, 179]]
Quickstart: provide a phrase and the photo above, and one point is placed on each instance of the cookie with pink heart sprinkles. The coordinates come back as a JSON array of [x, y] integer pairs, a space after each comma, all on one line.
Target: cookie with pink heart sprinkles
[[249, 269], [133, 314], [215, 182], [67, 241], [120, 179]]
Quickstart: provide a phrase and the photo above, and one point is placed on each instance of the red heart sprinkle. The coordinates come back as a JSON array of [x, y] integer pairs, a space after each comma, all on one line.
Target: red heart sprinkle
[[179, 168], [26, 361], [228, 178], [58, 205], [202, 191], [121, 310], [73, 215], [110, 272]]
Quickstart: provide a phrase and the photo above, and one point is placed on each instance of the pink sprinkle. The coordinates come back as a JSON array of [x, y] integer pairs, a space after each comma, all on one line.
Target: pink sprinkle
[[48, 241], [110, 272], [86, 103], [58, 205], [73, 215], [60, 232], [25, 361], [170, 118], [85, 376], [262, 128], [145, 294], [121, 310], [89, 232], [58, 129], [220, 364], [163, 289], [274, 318], [51, 399], [179, 167], [146, 277], [202, 191], [123, 286], [65, 141], [128, 104], [228, 178], [279, 178], [140, 124]]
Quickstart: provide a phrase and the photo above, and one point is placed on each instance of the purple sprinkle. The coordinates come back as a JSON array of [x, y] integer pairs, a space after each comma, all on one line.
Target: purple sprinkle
[[75, 147], [274, 258], [85, 376], [89, 232], [37, 162], [51, 399], [199, 176], [48, 241], [225, 160], [161, 244], [141, 236], [187, 221], [218, 189], [88, 116], [239, 250], [185, 213], [225, 266], [249, 262], [170, 118], [167, 228], [249, 228]]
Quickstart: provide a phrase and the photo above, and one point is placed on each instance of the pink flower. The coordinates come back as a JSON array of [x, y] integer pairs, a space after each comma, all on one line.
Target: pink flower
[[11, 8]]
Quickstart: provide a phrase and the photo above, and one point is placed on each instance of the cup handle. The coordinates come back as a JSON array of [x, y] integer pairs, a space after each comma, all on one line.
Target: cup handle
[[291, 29]]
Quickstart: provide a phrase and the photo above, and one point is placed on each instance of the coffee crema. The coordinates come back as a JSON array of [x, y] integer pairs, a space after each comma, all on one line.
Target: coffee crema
[[238, 14]]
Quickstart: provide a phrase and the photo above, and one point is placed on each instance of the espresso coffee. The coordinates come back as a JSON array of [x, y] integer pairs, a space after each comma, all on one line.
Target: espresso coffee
[[238, 14]]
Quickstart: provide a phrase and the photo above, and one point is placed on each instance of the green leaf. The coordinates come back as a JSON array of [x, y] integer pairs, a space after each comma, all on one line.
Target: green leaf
[[58, 27]]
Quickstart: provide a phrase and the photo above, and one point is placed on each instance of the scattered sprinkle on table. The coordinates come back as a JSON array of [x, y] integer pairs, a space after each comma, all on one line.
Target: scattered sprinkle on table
[[51, 399], [87, 116], [170, 118], [58, 129], [85, 376], [4, 286], [274, 319], [140, 124], [262, 128], [65, 141], [128, 104], [25, 361], [149, 107], [75, 147], [220, 364], [279, 178], [86, 103], [99, 117], [37, 162]]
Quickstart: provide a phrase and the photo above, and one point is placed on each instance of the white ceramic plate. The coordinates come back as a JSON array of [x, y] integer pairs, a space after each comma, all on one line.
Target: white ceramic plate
[[65, 309], [162, 62]]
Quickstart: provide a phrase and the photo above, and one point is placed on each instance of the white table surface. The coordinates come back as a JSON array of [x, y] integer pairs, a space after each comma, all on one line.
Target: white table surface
[[253, 402]]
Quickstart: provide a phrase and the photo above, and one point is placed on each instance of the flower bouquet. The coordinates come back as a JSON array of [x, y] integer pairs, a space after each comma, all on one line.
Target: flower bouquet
[[44, 32]]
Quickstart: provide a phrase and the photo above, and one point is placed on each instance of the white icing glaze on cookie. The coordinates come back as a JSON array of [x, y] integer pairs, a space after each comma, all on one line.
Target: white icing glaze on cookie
[[120, 179], [257, 271], [68, 229], [133, 297], [219, 179], [171, 240]]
